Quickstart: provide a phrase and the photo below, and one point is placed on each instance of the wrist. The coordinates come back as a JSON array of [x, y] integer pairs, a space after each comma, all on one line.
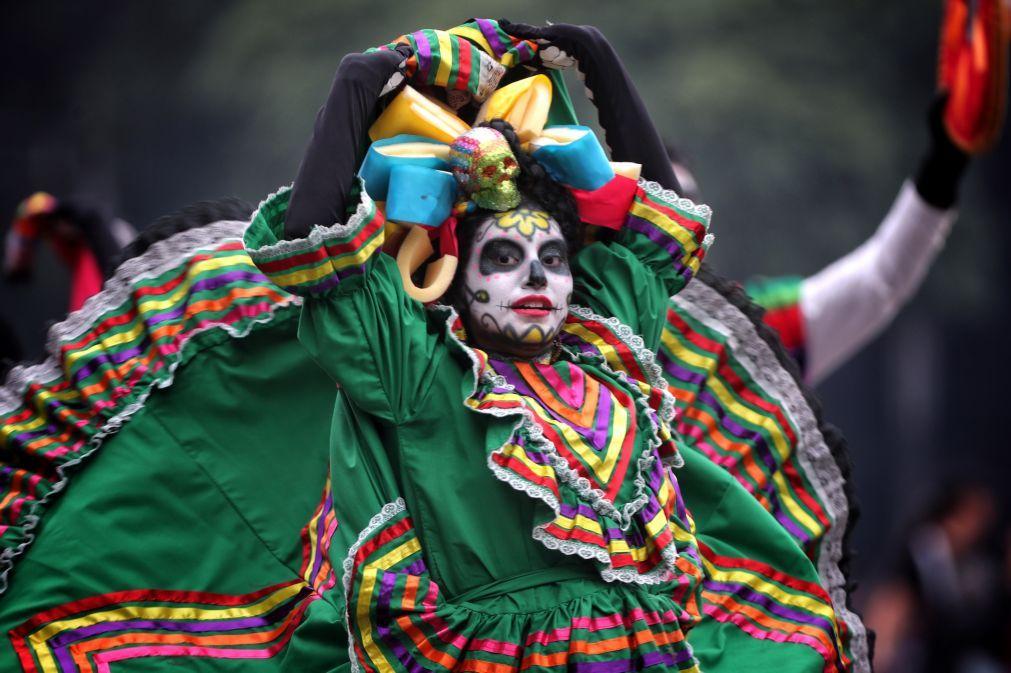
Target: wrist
[[940, 174]]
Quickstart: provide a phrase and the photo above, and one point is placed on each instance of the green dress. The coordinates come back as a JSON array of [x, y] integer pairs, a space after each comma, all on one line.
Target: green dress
[[510, 514], [206, 533]]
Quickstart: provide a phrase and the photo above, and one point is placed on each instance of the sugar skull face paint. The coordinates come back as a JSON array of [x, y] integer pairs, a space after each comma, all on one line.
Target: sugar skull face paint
[[517, 282]]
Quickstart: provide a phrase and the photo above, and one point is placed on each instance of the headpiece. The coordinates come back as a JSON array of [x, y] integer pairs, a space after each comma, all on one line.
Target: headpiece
[[426, 165]]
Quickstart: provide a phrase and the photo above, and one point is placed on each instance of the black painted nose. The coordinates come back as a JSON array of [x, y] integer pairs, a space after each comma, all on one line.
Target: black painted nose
[[536, 278]]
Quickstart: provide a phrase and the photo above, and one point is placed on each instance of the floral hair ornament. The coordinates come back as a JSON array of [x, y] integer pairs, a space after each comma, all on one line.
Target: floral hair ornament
[[427, 167]]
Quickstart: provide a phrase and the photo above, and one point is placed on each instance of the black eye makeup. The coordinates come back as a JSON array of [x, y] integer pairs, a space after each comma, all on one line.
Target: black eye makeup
[[554, 256], [499, 255]]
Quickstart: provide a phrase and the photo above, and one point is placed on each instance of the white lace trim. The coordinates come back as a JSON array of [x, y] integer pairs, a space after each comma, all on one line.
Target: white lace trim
[[645, 356], [159, 258], [681, 203], [710, 308], [383, 517], [318, 235]]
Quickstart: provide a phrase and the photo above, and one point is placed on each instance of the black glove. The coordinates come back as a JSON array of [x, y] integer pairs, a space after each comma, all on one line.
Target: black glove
[[325, 181], [940, 172], [628, 129]]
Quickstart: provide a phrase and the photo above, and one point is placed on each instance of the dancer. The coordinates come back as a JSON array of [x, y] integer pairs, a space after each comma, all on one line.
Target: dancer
[[504, 489], [825, 319], [519, 373]]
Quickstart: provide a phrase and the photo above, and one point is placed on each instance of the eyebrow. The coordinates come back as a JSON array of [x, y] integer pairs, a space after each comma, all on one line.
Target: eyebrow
[[499, 242], [552, 241]]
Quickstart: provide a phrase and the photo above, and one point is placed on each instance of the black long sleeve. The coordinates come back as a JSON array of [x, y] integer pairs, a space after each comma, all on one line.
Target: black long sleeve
[[628, 128], [325, 180], [940, 172]]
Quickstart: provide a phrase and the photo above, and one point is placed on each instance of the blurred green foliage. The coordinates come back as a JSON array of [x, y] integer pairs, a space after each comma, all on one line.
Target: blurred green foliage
[[799, 119]]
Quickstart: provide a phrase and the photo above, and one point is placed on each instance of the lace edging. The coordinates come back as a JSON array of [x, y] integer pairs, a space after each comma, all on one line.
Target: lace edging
[[317, 236], [645, 356], [595, 497], [380, 519], [709, 307], [670, 196], [157, 259]]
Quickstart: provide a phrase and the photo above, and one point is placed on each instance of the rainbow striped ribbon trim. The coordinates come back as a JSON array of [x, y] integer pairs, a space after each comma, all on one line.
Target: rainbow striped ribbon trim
[[105, 359], [93, 634], [399, 621], [320, 262], [678, 227], [771, 605], [739, 426]]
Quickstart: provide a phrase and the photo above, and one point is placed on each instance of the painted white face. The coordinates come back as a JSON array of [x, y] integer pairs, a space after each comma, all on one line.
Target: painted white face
[[517, 282]]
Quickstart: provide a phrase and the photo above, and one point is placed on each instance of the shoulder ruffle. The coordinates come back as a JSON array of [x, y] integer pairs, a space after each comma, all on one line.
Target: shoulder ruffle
[[320, 261], [677, 228], [105, 359], [640, 533]]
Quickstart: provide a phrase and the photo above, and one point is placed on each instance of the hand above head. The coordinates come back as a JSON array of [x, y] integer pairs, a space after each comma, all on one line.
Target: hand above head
[[628, 128], [325, 180], [563, 43], [442, 59]]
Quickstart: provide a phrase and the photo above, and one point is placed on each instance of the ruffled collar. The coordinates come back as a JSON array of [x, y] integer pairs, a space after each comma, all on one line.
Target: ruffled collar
[[592, 440]]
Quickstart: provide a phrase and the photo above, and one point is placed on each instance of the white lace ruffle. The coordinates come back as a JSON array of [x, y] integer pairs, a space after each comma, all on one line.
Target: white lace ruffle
[[671, 197], [596, 498], [156, 260], [710, 308], [319, 233], [383, 517]]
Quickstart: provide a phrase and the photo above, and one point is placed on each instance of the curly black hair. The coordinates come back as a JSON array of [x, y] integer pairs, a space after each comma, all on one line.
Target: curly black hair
[[535, 186], [193, 216]]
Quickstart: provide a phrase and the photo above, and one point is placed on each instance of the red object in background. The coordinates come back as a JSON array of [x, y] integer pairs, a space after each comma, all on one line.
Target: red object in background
[[972, 68], [85, 274], [788, 322], [34, 221]]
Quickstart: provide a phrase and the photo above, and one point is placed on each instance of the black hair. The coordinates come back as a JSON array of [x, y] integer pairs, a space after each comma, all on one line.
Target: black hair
[[536, 186], [195, 215]]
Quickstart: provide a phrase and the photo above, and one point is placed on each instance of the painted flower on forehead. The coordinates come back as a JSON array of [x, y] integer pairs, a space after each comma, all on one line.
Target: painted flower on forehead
[[524, 220], [485, 168]]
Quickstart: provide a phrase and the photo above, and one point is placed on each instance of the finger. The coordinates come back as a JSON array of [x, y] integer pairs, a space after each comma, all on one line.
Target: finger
[[404, 50], [524, 31], [396, 79]]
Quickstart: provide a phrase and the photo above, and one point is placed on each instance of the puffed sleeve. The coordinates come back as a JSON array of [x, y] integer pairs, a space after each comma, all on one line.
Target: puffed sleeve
[[357, 322], [651, 257]]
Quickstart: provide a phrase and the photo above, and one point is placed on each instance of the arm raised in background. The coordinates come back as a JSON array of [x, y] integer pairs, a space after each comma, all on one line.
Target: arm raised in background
[[325, 185], [850, 301], [628, 128]]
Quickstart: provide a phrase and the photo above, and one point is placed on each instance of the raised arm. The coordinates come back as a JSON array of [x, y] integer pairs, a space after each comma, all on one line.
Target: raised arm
[[628, 128], [322, 240], [849, 302], [325, 186], [631, 273]]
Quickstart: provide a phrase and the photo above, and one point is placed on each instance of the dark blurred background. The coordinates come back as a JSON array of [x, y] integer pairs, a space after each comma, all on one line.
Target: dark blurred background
[[800, 120]]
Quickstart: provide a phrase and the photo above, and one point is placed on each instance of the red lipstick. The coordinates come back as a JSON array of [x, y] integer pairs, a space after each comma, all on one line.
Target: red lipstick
[[533, 305]]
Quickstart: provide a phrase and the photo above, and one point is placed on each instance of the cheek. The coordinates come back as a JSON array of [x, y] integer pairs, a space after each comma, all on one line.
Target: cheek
[[561, 281]]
